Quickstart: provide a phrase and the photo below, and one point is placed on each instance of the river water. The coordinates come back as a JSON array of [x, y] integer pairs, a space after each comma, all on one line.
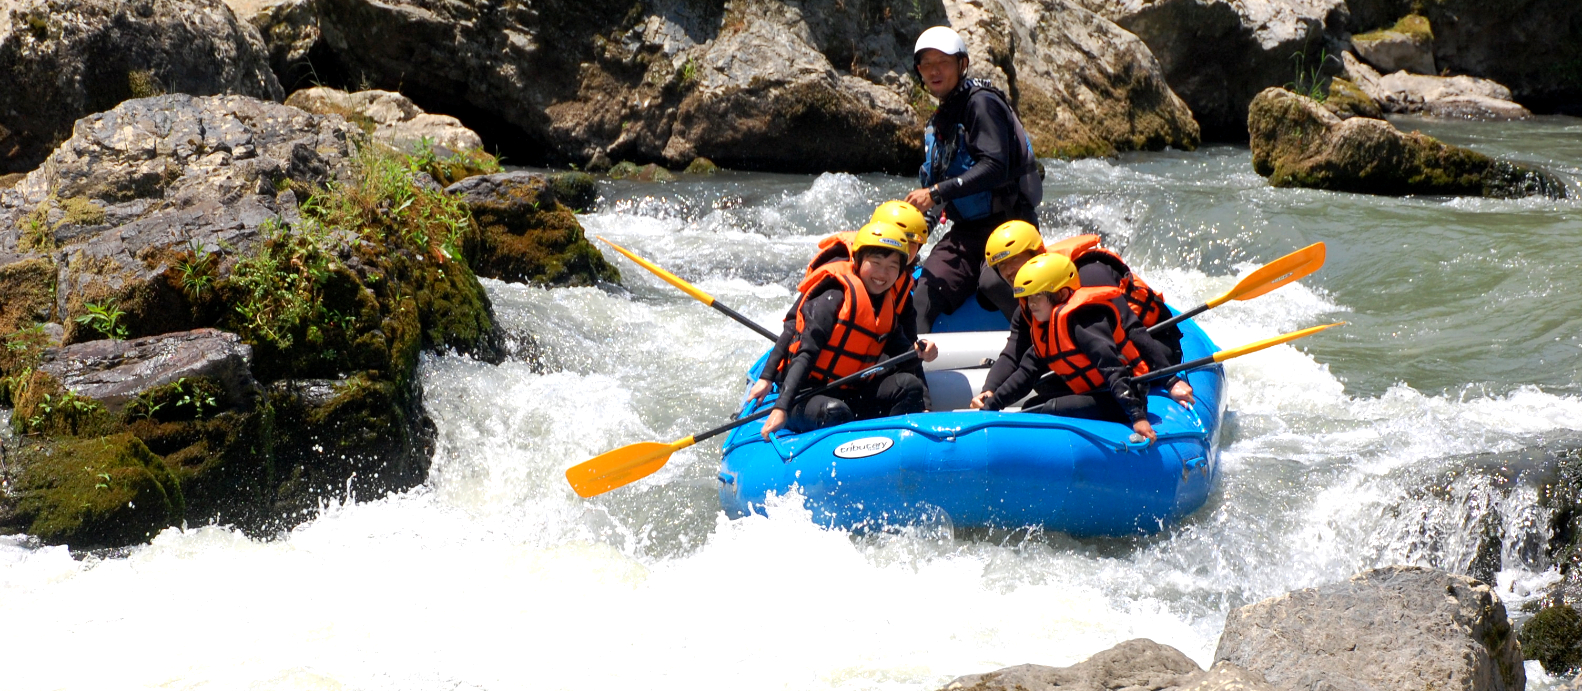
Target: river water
[[1398, 439]]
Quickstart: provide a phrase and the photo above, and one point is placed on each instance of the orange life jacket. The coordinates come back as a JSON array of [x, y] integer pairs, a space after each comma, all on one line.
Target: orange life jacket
[[1147, 303], [1059, 352], [861, 328], [837, 247]]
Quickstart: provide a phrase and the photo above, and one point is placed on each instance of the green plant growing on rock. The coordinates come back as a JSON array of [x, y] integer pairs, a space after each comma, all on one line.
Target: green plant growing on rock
[[183, 399], [196, 272], [1309, 80], [105, 318], [448, 170]]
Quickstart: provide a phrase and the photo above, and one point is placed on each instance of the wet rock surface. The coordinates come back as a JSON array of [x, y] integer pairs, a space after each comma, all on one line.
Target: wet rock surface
[[1296, 142], [755, 85], [391, 119], [1218, 54], [1450, 97], [528, 234], [61, 60], [1390, 628], [243, 290], [1530, 47], [149, 203], [1082, 85], [115, 372], [1134, 664]]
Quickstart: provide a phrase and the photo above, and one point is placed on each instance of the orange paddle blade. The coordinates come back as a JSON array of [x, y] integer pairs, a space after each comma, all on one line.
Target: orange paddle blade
[[621, 467], [1224, 355], [1277, 273]]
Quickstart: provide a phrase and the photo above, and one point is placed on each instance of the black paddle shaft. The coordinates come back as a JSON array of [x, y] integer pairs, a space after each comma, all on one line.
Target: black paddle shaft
[[1156, 328], [733, 314], [873, 371]]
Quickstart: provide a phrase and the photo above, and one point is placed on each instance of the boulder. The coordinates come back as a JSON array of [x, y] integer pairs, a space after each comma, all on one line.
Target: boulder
[[1347, 100], [1530, 46], [1296, 142], [331, 264], [1134, 664], [528, 235], [1409, 46], [64, 59], [1218, 54], [1081, 84], [1553, 637], [115, 372], [150, 203], [1450, 97], [754, 84], [391, 119], [1398, 627]]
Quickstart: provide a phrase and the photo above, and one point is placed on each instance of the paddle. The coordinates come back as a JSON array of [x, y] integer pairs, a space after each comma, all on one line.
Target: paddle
[[692, 290], [634, 462], [1277, 273], [1229, 353]]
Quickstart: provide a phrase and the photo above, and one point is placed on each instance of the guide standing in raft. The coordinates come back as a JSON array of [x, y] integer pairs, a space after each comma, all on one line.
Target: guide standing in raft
[[978, 168]]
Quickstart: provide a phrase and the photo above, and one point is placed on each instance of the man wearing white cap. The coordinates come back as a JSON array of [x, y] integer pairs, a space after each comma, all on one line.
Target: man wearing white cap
[[978, 168]]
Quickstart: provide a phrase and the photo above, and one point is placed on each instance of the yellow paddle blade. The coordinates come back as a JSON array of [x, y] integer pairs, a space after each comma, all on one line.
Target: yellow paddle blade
[[1277, 273], [1224, 355], [670, 278], [621, 467]]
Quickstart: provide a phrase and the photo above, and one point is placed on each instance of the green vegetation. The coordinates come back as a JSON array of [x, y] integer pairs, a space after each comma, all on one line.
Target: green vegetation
[[1414, 25], [1553, 637], [183, 399], [1310, 80], [143, 84], [453, 168], [105, 318]]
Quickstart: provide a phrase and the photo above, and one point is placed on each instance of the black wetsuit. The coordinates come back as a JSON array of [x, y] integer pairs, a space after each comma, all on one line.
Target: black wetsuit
[[1159, 351], [899, 392], [1092, 329], [975, 120]]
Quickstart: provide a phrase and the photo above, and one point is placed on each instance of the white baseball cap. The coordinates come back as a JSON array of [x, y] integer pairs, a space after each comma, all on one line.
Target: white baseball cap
[[943, 39]]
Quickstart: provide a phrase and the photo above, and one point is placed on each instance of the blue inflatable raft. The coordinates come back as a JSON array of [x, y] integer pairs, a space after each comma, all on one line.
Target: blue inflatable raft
[[993, 469]]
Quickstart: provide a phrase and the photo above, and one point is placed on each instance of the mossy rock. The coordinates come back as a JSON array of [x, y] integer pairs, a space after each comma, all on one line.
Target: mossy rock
[[1553, 637], [1413, 25], [95, 492], [701, 166], [653, 172], [1348, 100], [27, 294], [578, 191], [528, 236]]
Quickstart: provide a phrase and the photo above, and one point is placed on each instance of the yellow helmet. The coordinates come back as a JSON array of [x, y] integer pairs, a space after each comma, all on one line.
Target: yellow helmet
[[904, 216], [881, 235], [1010, 239], [1045, 273]]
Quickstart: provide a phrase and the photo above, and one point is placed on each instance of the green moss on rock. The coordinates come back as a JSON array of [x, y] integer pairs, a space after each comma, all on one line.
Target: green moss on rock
[[577, 191], [627, 170], [27, 294], [1348, 100], [1553, 637], [94, 492], [701, 166], [529, 236]]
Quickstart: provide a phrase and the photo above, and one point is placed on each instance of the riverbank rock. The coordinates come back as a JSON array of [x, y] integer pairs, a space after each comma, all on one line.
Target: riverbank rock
[[326, 264], [1530, 47], [1082, 85], [754, 85], [1446, 97], [1397, 627], [1553, 637], [391, 119], [528, 235], [64, 59], [1298, 143], [1134, 664], [1409, 46], [1218, 54]]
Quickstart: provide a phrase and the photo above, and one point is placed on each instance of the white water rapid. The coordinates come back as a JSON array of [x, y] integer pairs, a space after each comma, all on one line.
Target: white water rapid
[[1360, 448]]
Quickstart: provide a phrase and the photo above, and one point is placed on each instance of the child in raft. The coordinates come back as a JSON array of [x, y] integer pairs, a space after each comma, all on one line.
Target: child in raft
[[1080, 334], [838, 247], [847, 320], [1012, 244]]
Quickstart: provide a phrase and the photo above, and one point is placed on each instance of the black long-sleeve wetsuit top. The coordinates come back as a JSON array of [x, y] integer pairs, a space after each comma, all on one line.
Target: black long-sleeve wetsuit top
[[1020, 340], [819, 313], [1092, 329], [998, 157]]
